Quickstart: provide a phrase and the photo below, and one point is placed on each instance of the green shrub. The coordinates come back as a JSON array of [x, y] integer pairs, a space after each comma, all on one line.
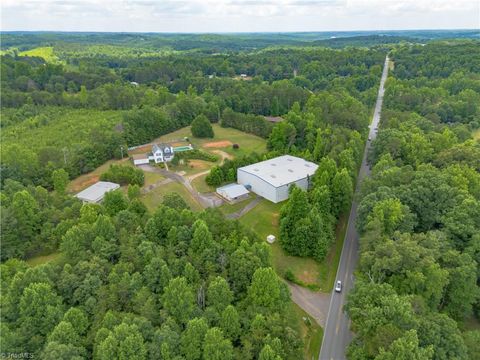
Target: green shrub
[[198, 155], [124, 175], [290, 276], [201, 127]]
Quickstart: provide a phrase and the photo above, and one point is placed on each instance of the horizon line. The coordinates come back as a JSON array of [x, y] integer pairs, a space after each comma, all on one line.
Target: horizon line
[[235, 32]]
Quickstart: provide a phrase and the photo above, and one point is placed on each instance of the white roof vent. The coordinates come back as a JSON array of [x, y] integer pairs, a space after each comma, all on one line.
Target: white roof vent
[[273, 176], [290, 170]]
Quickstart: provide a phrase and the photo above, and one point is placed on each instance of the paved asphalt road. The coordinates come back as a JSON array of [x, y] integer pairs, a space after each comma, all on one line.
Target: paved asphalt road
[[337, 334]]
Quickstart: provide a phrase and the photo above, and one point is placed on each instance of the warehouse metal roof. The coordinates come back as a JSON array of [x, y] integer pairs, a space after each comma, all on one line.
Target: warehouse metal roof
[[281, 170], [97, 191]]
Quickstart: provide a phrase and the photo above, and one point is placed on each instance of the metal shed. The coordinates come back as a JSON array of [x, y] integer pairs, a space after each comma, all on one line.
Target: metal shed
[[96, 192], [233, 192]]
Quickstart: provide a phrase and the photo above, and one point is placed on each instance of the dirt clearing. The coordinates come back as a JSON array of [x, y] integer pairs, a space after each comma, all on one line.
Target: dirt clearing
[[141, 150], [218, 144], [223, 154], [84, 183]]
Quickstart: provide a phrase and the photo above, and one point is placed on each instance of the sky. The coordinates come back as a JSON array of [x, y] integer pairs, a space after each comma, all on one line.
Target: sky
[[237, 15]]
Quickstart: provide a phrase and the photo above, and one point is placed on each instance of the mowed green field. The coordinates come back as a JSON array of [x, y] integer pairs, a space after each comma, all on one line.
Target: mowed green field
[[227, 208], [201, 186], [264, 220], [248, 143], [152, 178], [45, 52], [155, 197]]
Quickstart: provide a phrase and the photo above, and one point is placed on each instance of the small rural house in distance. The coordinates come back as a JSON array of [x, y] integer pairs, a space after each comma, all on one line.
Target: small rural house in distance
[[273, 119], [272, 178], [96, 192]]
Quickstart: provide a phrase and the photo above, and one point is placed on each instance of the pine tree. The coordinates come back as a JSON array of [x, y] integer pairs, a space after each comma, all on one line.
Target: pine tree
[[193, 337], [216, 347], [178, 299]]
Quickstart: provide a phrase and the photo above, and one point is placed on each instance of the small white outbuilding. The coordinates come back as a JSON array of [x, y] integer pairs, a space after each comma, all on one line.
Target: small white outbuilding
[[271, 239], [233, 192], [140, 159]]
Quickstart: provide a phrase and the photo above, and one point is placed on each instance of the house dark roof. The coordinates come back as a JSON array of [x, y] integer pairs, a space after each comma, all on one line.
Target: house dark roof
[[274, 119]]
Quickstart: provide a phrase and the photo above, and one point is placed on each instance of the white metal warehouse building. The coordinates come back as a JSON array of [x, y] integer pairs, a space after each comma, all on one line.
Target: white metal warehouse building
[[96, 192], [272, 178]]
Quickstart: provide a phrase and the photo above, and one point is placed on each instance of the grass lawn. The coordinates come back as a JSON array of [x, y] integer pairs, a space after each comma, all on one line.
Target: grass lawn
[[310, 332], [227, 208], [248, 143], [306, 270], [155, 197], [264, 218], [201, 186], [43, 259], [152, 178], [193, 167]]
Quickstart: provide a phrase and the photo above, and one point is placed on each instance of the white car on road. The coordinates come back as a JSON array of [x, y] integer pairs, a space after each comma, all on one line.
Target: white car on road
[[338, 287]]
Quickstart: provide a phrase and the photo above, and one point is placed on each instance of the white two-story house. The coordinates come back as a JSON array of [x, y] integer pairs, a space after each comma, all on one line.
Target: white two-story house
[[161, 153]]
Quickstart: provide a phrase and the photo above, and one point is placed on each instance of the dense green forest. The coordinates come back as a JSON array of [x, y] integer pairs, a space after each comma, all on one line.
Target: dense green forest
[[130, 283], [134, 286], [419, 213], [215, 42]]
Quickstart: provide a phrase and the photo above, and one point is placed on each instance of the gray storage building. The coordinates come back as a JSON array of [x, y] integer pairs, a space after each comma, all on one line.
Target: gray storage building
[[272, 178], [233, 192], [96, 192]]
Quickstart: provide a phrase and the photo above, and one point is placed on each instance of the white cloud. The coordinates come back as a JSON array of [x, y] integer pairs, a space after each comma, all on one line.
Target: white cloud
[[237, 15]]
